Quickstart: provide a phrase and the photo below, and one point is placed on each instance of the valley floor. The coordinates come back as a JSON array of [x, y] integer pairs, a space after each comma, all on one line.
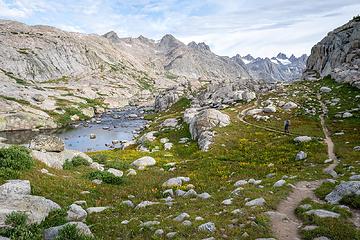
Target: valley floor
[[256, 151]]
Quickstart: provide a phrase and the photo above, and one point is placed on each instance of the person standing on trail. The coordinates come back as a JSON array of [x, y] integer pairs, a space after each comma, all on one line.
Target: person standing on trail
[[286, 126]]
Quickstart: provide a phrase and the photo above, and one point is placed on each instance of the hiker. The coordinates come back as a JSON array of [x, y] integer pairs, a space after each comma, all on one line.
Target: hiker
[[286, 126]]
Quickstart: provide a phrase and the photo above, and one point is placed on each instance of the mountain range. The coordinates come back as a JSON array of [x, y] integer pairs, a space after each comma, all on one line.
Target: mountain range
[[279, 68]]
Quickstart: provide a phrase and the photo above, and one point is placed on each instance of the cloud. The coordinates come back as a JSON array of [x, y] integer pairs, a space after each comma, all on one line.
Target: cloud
[[262, 27]]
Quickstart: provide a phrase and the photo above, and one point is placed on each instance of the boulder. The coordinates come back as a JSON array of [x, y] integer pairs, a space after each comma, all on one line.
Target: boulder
[[289, 105], [279, 183], [57, 159], [91, 210], [302, 139], [47, 143], [144, 162], [254, 111], [115, 172], [202, 124], [301, 155], [16, 187], [175, 182], [321, 213], [88, 112], [37, 208], [147, 137], [76, 213], [144, 204], [269, 109], [256, 202], [325, 89], [248, 96], [343, 189], [347, 115], [39, 97], [170, 122], [207, 227], [181, 217], [53, 232]]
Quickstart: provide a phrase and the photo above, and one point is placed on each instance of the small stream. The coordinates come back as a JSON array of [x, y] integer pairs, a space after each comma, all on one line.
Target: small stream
[[113, 126]]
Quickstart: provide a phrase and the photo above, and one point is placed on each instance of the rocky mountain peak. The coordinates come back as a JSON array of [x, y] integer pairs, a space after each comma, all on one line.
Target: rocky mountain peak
[[199, 46], [112, 36], [281, 56], [169, 42]]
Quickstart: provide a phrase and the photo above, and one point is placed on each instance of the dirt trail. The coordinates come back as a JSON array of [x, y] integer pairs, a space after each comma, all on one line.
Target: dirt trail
[[284, 223]]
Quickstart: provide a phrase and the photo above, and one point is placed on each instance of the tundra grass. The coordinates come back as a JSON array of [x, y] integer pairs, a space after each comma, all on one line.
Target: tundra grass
[[239, 152]]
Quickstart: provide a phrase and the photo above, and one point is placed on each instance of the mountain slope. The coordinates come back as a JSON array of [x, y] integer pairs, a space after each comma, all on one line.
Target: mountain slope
[[67, 69], [338, 55], [279, 68]]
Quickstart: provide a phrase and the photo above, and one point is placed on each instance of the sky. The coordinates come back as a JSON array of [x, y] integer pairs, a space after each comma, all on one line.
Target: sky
[[262, 28]]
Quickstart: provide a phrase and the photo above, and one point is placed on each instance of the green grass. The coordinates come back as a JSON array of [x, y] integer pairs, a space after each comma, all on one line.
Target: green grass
[[63, 79], [336, 229], [17, 79], [239, 152]]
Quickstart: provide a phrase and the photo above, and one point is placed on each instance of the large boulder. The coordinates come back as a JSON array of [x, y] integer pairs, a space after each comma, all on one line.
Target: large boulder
[[36, 208], [57, 159], [144, 162], [204, 122], [342, 190], [16, 187], [166, 99], [76, 213], [289, 105], [47, 143]]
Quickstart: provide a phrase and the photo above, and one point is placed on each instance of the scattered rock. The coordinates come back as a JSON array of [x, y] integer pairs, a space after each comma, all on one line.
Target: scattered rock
[[181, 217], [128, 203], [289, 105], [207, 227], [144, 204], [170, 122], [279, 183], [53, 232], [144, 162], [342, 190], [321, 213], [168, 146], [301, 156], [149, 224], [302, 139], [171, 235], [115, 172], [91, 210], [347, 115], [47, 143], [175, 182], [16, 187], [76, 213], [256, 202], [325, 89]]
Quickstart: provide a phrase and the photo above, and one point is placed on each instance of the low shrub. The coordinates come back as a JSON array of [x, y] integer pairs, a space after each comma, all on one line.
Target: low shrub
[[75, 162], [106, 177], [19, 229], [15, 158], [100, 158], [70, 232]]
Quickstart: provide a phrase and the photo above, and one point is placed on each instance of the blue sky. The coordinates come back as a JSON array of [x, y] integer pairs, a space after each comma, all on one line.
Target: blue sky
[[260, 27]]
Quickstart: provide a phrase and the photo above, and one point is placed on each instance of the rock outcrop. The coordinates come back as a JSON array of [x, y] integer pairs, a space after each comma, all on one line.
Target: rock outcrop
[[201, 126], [337, 55], [15, 197]]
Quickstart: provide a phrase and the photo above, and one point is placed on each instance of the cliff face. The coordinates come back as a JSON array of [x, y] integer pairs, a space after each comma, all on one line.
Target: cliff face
[[338, 55]]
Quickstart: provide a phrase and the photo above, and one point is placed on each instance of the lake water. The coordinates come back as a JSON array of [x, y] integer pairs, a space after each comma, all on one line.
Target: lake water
[[118, 125]]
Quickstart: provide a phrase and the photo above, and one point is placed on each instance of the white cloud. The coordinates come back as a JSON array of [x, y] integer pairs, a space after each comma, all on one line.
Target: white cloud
[[262, 27]]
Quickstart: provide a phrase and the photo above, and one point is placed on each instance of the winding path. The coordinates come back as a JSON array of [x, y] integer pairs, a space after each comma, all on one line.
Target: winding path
[[284, 223]]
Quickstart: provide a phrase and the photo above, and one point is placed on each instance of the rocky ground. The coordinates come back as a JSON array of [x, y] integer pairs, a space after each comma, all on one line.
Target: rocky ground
[[203, 174]]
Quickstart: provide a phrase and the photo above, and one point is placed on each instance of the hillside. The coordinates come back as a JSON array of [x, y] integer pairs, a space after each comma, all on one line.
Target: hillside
[[46, 72]]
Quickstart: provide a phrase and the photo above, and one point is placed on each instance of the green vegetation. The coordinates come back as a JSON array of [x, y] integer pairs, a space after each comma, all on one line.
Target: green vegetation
[[20, 101], [63, 79], [19, 229], [70, 232], [333, 228], [106, 177], [75, 162], [14, 160], [171, 76], [17, 79]]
